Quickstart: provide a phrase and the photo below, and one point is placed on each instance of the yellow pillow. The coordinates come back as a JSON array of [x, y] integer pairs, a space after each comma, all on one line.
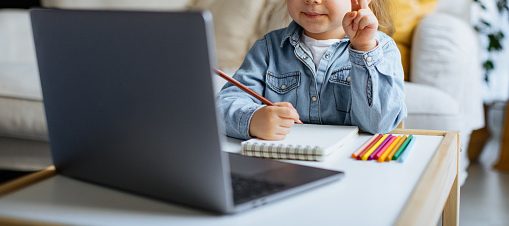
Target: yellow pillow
[[406, 15]]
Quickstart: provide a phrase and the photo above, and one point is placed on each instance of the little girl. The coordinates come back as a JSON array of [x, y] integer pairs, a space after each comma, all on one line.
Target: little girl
[[331, 65]]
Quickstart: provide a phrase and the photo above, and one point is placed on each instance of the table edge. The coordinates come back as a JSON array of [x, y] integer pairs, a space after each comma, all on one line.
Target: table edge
[[438, 178], [406, 216]]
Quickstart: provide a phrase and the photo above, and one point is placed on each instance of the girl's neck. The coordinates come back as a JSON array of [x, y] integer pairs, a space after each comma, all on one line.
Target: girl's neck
[[334, 34]]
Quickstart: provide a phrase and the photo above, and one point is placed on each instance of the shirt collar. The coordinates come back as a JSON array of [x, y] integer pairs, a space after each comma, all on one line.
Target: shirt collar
[[292, 34]]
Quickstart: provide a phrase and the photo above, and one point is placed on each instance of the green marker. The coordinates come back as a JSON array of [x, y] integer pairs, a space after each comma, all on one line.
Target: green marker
[[402, 148]]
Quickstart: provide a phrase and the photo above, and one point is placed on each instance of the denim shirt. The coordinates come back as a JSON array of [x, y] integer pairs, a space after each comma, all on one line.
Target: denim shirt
[[348, 87]]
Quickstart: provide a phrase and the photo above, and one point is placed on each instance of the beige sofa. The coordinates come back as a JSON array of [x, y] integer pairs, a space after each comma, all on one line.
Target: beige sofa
[[444, 92]]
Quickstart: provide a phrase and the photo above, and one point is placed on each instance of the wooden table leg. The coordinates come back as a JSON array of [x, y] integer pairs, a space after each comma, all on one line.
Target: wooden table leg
[[451, 211], [503, 159], [450, 215]]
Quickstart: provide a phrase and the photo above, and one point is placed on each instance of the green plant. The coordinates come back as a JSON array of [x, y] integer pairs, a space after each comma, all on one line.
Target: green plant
[[494, 36]]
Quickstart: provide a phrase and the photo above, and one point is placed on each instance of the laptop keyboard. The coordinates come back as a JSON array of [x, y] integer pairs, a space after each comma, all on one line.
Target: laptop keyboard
[[246, 189]]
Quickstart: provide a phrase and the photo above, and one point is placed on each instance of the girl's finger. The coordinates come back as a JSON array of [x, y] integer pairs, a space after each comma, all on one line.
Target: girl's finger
[[349, 18], [282, 131], [296, 114], [355, 5], [363, 4], [288, 113], [287, 123], [361, 14], [365, 22]]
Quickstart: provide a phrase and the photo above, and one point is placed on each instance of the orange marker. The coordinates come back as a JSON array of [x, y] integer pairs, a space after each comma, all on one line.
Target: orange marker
[[368, 143], [398, 145], [366, 155], [389, 149]]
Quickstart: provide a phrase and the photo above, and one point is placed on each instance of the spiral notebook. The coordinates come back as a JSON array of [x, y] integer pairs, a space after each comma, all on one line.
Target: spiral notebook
[[304, 142]]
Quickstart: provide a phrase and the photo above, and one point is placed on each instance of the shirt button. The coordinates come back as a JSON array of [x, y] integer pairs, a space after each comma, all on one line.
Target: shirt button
[[349, 79], [313, 98], [304, 57], [327, 55], [283, 86], [369, 59]]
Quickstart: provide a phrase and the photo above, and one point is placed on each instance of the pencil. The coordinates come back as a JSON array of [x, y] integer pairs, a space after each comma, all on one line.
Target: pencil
[[246, 89], [243, 87]]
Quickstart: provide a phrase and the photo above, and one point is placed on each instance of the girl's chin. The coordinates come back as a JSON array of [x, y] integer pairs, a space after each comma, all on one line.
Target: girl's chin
[[314, 30]]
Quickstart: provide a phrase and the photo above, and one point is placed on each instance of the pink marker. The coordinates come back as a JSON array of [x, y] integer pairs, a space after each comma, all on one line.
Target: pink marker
[[385, 148], [382, 145]]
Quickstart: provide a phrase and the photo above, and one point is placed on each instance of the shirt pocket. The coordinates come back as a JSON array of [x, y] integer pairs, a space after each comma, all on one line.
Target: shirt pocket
[[283, 83], [340, 80]]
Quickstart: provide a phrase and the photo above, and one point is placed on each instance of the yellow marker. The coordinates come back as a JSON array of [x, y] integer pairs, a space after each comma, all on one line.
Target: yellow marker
[[389, 149], [393, 151], [372, 149]]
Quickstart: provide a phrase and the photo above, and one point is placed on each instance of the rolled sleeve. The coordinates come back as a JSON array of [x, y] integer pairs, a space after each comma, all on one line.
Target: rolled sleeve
[[245, 120], [378, 100], [366, 58]]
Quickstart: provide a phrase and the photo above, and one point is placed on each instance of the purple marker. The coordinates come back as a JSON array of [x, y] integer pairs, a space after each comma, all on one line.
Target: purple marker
[[381, 147]]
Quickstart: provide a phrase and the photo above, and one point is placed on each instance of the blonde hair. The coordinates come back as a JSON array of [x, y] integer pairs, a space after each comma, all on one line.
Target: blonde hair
[[381, 9]]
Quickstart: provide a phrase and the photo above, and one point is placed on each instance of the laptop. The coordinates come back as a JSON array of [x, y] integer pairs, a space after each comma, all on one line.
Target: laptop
[[130, 104]]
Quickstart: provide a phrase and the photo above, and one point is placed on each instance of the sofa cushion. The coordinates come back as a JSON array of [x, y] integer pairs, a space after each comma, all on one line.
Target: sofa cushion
[[234, 25], [16, 45], [273, 16], [406, 15], [22, 154], [430, 108], [20, 81], [21, 108], [22, 118], [423, 99], [446, 56]]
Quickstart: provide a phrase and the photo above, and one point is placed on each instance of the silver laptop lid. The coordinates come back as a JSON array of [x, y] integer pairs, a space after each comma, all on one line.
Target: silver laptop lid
[[115, 114]]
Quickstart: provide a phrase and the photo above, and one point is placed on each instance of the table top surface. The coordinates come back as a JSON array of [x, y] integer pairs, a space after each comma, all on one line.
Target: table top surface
[[371, 193]]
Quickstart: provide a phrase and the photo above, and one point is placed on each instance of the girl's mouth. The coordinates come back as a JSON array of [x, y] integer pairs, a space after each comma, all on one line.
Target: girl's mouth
[[312, 15]]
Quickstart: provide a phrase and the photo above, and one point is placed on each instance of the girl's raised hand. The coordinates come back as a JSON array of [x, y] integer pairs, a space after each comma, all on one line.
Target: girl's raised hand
[[361, 26]]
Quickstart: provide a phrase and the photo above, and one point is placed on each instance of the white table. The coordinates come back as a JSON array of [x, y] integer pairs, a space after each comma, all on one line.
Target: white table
[[415, 192]]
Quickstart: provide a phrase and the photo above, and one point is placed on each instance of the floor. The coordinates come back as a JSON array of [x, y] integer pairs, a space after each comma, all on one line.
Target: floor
[[485, 194], [485, 197]]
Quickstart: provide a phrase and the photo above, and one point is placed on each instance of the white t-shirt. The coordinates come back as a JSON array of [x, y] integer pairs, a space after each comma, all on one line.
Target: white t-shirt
[[317, 47]]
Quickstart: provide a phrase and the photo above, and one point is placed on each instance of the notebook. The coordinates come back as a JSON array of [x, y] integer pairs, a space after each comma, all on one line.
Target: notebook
[[304, 142]]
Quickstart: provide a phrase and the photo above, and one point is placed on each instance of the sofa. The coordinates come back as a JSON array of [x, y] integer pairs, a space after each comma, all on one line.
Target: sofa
[[441, 59]]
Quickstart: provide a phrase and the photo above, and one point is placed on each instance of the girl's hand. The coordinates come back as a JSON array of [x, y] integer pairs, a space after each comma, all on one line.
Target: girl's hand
[[273, 122], [361, 26]]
